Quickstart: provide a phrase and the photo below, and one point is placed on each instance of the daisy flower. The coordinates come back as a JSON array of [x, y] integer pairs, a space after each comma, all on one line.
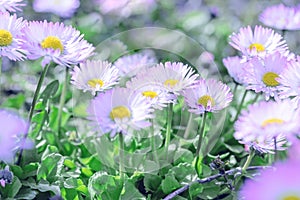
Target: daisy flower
[[262, 75], [65, 8], [155, 93], [235, 68], [260, 42], [55, 42], [207, 96], [289, 18], [95, 76], [264, 121], [175, 77], [290, 82], [119, 110], [130, 65], [11, 5], [11, 37], [12, 130], [279, 183]]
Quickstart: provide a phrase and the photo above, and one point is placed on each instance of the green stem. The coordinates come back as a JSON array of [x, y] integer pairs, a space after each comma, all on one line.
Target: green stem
[[121, 156], [188, 127], [235, 88], [153, 145], [241, 105], [275, 150], [62, 101], [169, 126], [256, 97], [33, 103], [201, 133], [37, 92], [248, 161]]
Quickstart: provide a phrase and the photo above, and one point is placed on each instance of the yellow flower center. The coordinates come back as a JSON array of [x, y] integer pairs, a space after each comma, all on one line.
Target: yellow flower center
[[205, 99], [291, 198], [259, 47], [271, 121], [269, 79], [6, 38], [52, 42], [150, 94], [94, 82], [120, 112], [171, 82]]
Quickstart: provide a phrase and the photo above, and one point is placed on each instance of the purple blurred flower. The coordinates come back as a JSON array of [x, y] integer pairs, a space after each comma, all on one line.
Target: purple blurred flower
[[259, 42], [130, 65], [62, 8], [125, 8], [12, 131], [119, 110], [262, 74], [290, 82], [281, 17], [281, 183], [235, 67], [11, 36], [11, 5], [55, 42], [264, 121], [207, 95]]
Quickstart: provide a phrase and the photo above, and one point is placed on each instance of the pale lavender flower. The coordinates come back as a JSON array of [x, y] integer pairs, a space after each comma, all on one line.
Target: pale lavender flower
[[264, 121], [11, 5], [262, 74], [207, 96], [175, 77], [55, 42], [12, 131], [290, 82], [119, 110], [288, 19], [95, 76], [259, 42], [11, 37], [235, 67], [155, 93], [281, 182], [62, 8]]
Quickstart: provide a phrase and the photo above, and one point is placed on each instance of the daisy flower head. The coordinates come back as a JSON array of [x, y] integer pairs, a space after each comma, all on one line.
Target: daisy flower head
[[155, 93], [11, 5], [235, 67], [119, 110], [289, 18], [65, 8], [175, 76], [262, 74], [55, 42], [289, 81], [11, 37], [262, 122], [130, 65], [12, 130], [207, 96], [259, 42], [95, 76], [281, 182]]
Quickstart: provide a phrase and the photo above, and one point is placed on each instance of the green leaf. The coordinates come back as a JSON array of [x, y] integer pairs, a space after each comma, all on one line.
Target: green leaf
[[30, 170], [14, 102], [184, 172], [152, 182], [194, 190], [42, 186], [49, 91], [169, 184], [183, 155], [69, 163], [50, 167], [234, 148], [87, 172], [12, 189], [130, 192], [25, 194]]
